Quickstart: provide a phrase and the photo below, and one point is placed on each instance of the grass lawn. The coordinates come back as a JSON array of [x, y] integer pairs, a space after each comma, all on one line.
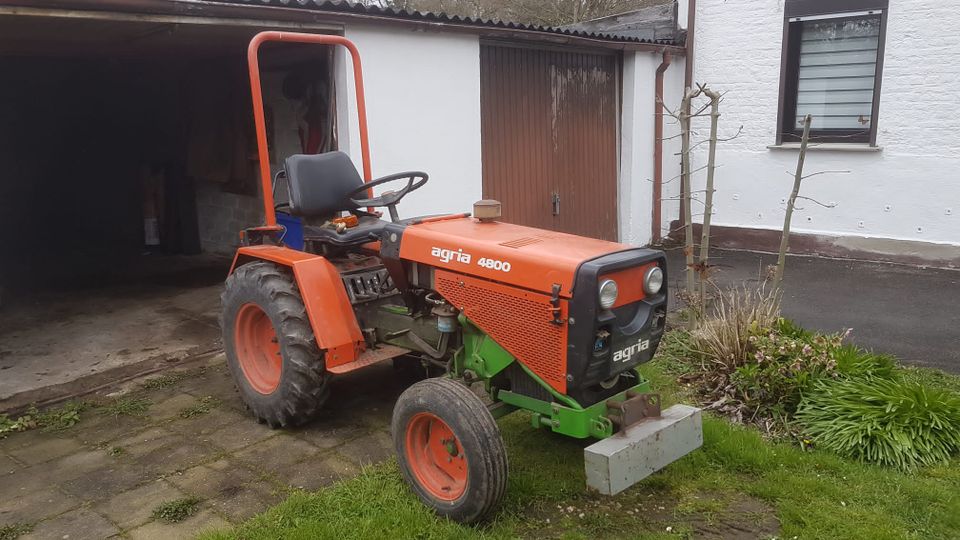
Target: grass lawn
[[737, 486]]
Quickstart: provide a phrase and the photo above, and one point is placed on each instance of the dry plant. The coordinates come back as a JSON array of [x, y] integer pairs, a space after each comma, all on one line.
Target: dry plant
[[723, 339]]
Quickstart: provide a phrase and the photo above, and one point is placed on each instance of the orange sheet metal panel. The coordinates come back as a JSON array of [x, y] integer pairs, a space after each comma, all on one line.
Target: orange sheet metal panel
[[518, 320], [331, 315], [521, 256], [549, 131], [629, 284]]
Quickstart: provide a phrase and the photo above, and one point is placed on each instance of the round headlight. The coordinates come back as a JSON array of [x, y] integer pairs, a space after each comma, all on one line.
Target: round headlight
[[653, 280], [608, 293]]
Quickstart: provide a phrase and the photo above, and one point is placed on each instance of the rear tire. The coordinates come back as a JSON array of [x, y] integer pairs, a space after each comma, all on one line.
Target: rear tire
[[450, 449], [270, 347]]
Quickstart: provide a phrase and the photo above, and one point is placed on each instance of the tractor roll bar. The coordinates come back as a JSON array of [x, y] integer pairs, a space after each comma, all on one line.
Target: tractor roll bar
[[256, 91]]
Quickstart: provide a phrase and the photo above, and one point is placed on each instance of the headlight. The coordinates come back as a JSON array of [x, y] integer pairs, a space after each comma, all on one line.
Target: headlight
[[653, 280], [608, 293]]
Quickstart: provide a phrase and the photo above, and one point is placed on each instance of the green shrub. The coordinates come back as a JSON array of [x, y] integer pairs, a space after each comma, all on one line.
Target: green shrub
[[782, 367], [891, 422], [54, 419], [177, 510], [853, 361]]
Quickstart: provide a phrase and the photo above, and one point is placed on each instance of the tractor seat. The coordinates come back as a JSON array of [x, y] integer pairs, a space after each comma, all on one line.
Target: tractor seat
[[368, 230], [319, 184]]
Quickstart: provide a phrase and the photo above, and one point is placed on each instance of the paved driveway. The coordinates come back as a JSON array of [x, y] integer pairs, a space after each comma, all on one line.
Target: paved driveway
[[911, 312]]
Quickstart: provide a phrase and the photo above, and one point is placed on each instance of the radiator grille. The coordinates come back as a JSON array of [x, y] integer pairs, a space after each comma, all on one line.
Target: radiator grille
[[519, 320]]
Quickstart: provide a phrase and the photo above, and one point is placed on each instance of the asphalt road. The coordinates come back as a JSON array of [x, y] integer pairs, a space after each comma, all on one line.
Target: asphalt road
[[911, 312]]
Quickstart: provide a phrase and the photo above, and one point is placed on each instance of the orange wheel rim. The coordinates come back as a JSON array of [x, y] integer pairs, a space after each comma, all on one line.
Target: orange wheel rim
[[258, 349], [436, 457]]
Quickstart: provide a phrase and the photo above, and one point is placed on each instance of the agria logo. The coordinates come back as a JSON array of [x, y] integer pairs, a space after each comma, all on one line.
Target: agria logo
[[447, 255], [624, 355]]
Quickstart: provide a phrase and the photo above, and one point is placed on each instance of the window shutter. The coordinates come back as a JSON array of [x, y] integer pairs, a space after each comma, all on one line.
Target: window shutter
[[838, 63]]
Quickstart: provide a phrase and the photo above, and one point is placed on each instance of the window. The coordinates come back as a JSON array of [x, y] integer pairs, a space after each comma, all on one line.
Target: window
[[831, 68]]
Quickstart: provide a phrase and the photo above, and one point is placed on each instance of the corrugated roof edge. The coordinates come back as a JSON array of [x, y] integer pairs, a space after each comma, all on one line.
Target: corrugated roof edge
[[335, 6]]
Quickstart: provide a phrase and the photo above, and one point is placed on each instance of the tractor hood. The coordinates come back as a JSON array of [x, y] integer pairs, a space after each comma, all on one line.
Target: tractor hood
[[534, 259]]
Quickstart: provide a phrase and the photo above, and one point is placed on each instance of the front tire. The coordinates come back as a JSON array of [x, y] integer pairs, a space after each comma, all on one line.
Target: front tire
[[450, 449], [270, 346]]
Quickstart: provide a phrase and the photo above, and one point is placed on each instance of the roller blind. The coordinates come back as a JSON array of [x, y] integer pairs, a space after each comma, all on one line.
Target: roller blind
[[838, 63]]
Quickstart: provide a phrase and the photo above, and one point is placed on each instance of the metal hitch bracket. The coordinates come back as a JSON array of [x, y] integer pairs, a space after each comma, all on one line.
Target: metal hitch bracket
[[636, 408]]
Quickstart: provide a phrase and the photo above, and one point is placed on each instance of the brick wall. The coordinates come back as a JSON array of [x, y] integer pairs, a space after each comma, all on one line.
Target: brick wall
[[222, 215]]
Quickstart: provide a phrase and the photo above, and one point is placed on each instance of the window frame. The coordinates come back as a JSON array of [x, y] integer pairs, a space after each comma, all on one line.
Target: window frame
[[789, 68]]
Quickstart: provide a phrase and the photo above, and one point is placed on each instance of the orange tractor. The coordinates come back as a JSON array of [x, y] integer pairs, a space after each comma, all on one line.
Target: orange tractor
[[549, 323]]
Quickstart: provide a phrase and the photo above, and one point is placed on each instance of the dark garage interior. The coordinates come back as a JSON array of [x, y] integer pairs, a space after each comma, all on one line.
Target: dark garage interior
[[129, 170]]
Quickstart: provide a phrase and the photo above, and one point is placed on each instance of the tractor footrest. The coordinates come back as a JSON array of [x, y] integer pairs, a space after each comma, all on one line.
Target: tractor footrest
[[618, 462], [370, 356]]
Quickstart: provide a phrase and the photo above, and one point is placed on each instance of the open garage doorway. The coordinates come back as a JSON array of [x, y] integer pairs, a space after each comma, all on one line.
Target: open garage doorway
[[129, 169]]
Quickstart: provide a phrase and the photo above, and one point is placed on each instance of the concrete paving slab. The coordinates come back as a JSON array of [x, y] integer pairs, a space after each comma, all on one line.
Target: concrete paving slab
[[240, 504], [329, 432], [41, 449], [215, 380], [77, 524], [104, 483], [201, 522], [204, 425], [276, 452], [314, 474], [7, 465], [103, 429], [242, 434], [38, 477], [156, 434], [35, 506], [135, 507], [176, 455], [370, 449], [171, 407], [214, 479]]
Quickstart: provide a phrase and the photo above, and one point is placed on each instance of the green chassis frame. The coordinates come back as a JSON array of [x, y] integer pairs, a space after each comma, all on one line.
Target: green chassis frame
[[481, 358]]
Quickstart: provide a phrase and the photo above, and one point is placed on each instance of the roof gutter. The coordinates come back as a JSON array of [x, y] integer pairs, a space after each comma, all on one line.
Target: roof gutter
[[658, 149], [688, 75]]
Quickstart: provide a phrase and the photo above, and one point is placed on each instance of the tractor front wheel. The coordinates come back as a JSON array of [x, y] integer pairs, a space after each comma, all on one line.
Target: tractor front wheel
[[450, 449], [270, 346]]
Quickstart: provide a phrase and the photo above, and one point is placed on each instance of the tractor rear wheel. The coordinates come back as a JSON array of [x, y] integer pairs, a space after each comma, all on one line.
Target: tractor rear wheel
[[450, 449], [270, 346]]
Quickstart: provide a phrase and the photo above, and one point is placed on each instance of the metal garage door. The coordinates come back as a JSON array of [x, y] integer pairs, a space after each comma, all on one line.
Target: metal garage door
[[549, 121]]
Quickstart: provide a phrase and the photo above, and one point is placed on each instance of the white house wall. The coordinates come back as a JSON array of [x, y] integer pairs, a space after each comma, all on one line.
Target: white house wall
[[637, 142], [907, 191], [423, 111]]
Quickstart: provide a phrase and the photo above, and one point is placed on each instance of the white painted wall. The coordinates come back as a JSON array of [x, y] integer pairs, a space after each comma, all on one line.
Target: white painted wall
[[637, 144], [423, 111], [908, 191]]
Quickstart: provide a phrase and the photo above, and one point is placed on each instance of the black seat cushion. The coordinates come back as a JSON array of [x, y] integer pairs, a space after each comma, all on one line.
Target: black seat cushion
[[319, 183], [368, 230]]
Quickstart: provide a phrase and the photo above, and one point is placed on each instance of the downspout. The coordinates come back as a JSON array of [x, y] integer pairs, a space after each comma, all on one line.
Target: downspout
[[688, 72], [658, 149]]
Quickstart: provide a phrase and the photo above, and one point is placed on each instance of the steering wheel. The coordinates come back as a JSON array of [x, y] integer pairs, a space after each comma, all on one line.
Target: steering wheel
[[415, 180]]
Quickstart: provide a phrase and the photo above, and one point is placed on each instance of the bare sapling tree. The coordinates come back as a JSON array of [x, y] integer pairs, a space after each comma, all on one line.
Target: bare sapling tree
[[685, 117], [791, 203], [798, 178], [697, 265], [703, 265]]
